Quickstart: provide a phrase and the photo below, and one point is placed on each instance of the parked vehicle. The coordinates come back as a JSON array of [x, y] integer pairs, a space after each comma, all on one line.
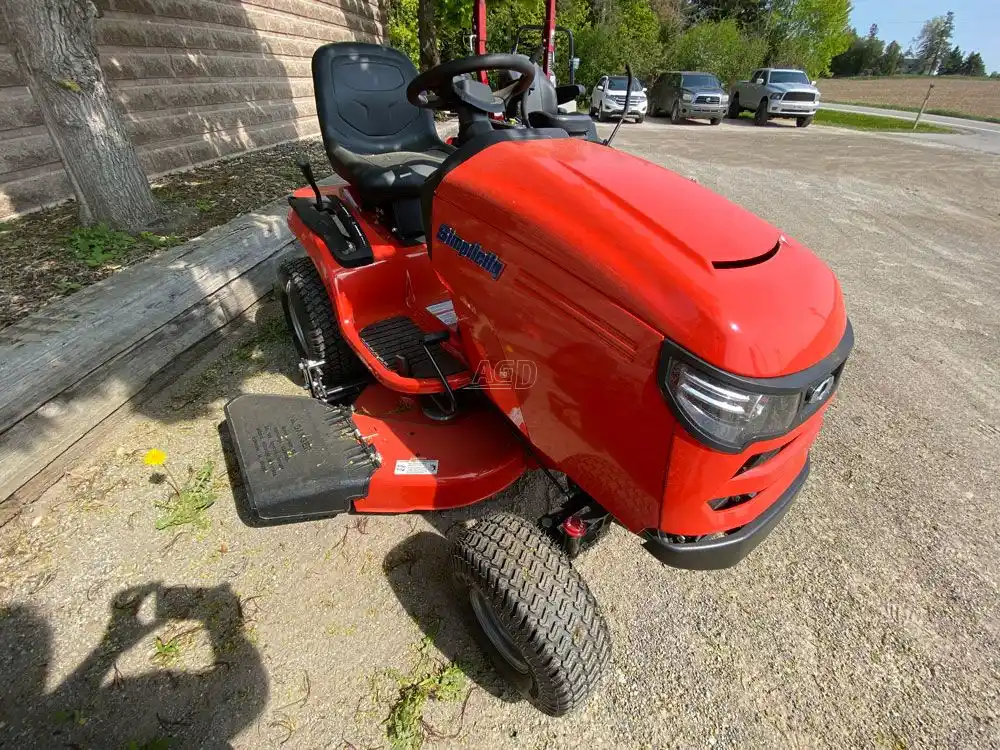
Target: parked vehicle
[[773, 92], [689, 95], [607, 100]]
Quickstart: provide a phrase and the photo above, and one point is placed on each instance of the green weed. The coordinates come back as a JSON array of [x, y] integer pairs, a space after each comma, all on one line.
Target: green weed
[[188, 503], [74, 716], [99, 245], [166, 652], [405, 727]]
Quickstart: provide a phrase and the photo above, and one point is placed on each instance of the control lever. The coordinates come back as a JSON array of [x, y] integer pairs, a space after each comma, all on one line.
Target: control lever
[[429, 340], [307, 171]]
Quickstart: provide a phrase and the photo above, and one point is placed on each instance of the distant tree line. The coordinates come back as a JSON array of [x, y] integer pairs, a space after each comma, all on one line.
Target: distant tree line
[[930, 54]]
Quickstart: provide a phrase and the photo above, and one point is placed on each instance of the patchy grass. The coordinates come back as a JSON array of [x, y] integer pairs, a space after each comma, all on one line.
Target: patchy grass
[[189, 502], [405, 727], [873, 122], [48, 255]]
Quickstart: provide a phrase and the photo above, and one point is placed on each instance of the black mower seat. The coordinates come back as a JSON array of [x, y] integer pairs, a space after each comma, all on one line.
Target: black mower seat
[[541, 106], [375, 139]]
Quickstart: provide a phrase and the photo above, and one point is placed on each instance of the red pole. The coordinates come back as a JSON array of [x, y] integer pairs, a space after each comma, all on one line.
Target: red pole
[[549, 40], [479, 30]]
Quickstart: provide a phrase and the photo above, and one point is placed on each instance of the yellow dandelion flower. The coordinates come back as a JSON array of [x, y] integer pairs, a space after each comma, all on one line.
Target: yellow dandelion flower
[[154, 457]]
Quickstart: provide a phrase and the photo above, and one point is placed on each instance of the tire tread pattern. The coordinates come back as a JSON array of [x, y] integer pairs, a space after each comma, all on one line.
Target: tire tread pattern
[[543, 602], [342, 365]]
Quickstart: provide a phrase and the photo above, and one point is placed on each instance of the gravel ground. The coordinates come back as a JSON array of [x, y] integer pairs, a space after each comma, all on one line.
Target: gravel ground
[[868, 619]]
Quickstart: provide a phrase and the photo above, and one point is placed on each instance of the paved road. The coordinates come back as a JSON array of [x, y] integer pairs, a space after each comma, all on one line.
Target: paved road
[[869, 618]]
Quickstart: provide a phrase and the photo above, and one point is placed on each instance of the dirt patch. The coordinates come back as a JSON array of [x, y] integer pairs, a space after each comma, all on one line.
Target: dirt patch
[[47, 255], [975, 97]]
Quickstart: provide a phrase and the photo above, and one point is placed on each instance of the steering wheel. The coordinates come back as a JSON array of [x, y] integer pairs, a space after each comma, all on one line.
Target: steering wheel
[[437, 89]]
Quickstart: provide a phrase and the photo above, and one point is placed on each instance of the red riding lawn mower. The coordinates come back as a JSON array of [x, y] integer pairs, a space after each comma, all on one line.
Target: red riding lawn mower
[[531, 299]]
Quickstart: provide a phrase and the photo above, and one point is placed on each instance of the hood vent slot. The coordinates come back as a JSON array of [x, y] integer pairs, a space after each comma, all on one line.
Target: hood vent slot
[[747, 262]]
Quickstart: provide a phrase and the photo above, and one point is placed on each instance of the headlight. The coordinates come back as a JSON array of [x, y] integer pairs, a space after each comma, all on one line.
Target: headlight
[[776, 95], [687, 97], [725, 98], [729, 415], [729, 412]]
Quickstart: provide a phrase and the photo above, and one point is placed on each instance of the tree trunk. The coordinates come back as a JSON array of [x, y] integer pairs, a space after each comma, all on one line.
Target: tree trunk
[[55, 46], [427, 33]]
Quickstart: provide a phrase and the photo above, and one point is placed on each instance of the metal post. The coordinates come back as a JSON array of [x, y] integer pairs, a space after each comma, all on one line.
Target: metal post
[[479, 34], [922, 107], [549, 37]]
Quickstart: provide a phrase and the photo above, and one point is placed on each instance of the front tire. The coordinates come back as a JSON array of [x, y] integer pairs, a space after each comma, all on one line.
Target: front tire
[[309, 316], [734, 108], [760, 117], [803, 122], [716, 120], [675, 114], [601, 116], [535, 616], [640, 119]]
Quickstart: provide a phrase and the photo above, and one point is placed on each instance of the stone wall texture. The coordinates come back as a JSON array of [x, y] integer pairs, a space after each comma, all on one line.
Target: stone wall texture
[[197, 80]]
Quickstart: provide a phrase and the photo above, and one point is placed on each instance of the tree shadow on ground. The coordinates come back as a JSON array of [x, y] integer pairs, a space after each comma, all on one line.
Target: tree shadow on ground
[[95, 706]]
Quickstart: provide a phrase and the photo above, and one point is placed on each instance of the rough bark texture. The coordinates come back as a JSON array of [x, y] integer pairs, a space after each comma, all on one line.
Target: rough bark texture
[[55, 46], [427, 33]]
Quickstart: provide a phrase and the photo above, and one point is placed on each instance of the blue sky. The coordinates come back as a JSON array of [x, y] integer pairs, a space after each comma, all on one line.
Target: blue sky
[[977, 22]]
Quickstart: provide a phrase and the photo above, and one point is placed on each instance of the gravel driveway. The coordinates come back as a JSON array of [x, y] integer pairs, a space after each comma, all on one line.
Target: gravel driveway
[[868, 619]]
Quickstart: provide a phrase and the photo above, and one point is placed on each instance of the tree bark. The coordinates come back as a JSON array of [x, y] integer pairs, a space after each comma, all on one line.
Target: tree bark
[[55, 45], [427, 34]]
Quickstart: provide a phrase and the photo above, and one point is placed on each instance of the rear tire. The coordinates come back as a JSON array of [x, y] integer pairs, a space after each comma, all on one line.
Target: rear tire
[[760, 117], [535, 616], [309, 316], [675, 114], [734, 107], [803, 122]]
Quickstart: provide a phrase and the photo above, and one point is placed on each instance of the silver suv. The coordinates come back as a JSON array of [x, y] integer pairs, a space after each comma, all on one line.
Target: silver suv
[[776, 92]]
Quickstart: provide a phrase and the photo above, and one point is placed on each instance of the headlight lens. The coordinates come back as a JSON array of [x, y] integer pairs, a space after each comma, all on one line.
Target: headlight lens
[[727, 414], [777, 95], [725, 98], [687, 97]]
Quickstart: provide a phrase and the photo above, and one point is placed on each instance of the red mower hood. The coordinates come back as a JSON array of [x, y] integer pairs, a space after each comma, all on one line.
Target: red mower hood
[[708, 274]]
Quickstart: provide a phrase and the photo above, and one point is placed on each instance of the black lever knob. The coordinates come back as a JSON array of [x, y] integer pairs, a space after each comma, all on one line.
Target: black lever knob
[[306, 168]]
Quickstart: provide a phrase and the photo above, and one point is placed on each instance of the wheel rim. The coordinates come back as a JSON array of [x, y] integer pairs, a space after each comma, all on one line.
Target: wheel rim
[[495, 632], [293, 316]]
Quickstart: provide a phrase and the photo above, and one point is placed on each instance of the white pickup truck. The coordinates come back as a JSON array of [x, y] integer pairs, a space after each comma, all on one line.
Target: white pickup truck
[[776, 92]]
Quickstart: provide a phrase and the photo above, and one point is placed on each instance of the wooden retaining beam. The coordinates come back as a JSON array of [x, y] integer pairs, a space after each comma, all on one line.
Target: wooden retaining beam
[[81, 359]]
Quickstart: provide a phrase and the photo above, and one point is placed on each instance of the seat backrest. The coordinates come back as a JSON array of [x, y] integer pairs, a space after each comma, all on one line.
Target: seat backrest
[[361, 100], [541, 97]]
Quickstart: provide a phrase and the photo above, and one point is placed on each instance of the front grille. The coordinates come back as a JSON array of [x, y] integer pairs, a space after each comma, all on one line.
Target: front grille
[[800, 96], [618, 99], [707, 100]]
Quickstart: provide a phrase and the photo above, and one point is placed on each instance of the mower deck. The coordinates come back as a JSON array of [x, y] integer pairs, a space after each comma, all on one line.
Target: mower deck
[[301, 459]]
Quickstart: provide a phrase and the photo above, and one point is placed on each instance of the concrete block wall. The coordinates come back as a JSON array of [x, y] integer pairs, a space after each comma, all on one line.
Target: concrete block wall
[[197, 79]]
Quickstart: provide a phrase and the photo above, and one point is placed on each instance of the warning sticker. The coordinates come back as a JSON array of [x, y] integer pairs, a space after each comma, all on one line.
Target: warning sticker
[[445, 312], [417, 466]]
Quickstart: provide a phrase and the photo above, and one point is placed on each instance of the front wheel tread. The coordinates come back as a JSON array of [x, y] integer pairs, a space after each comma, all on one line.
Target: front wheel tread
[[544, 605]]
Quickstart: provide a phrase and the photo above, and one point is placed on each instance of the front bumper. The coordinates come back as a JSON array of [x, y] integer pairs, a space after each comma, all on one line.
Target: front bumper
[[780, 108], [711, 111], [614, 108], [726, 551]]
